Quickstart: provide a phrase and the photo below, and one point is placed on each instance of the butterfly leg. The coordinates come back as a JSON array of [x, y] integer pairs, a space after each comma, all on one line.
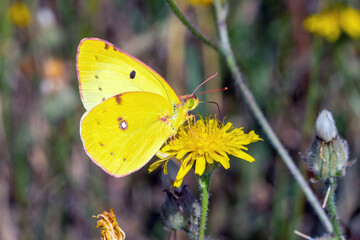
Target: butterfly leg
[[189, 117], [172, 139]]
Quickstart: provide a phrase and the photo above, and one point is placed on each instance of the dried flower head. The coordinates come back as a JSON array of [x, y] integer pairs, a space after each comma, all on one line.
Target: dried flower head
[[204, 143], [110, 228]]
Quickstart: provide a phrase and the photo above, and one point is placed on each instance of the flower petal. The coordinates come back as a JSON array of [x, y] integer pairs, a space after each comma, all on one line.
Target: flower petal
[[243, 155], [184, 169], [182, 153], [221, 159], [157, 163], [200, 165]]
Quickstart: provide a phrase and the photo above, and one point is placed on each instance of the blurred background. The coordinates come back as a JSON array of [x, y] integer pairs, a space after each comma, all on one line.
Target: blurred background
[[50, 189]]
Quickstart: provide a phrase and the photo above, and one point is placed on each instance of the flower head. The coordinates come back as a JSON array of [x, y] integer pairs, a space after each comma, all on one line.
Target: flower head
[[19, 14], [204, 143], [110, 228], [332, 21], [202, 2], [350, 22]]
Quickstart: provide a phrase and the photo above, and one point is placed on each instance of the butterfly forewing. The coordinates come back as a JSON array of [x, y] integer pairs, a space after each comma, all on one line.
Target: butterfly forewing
[[122, 133], [105, 71]]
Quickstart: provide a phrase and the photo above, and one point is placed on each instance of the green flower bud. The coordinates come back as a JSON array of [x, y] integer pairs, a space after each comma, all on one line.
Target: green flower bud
[[329, 153], [181, 211]]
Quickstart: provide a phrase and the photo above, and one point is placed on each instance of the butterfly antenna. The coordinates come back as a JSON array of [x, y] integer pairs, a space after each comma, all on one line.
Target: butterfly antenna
[[203, 83], [216, 90]]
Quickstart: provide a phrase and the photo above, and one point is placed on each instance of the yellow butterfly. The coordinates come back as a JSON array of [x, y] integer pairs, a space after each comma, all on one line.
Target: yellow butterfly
[[130, 109]]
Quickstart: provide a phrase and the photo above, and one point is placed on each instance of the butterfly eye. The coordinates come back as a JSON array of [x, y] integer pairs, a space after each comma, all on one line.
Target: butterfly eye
[[190, 103]]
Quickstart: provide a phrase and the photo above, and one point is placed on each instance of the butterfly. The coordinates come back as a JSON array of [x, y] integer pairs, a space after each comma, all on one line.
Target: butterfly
[[130, 109]]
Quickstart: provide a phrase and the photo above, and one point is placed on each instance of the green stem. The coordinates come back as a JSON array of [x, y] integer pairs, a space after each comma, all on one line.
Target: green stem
[[225, 50], [331, 206], [191, 28], [274, 140], [204, 183]]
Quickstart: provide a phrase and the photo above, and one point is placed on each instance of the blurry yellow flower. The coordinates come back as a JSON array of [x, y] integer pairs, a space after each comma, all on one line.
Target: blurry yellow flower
[[201, 2], [19, 14], [331, 22], [110, 228], [325, 24], [350, 22], [206, 142]]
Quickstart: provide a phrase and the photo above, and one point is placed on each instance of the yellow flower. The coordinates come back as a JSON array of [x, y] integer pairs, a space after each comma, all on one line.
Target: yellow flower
[[205, 142], [350, 22], [325, 24], [110, 228], [332, 21], [201, 2], [19, 14]]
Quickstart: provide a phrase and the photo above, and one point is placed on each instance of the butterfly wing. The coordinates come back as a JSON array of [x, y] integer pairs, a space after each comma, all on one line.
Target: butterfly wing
[[124, 132], [104, 71]]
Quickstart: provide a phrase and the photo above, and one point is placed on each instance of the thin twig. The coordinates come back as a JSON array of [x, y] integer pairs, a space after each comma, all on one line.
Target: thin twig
[[274, 140], [225, 50], [302, 235], [326, 197], [191, 28]]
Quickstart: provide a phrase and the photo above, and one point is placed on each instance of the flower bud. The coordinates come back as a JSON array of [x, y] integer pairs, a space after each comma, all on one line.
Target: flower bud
[[329, 153], [181, 211], [325, 128]]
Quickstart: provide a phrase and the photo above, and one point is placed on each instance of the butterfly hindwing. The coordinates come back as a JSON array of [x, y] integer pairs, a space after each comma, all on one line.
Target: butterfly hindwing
[[104, 71], [122, 133]]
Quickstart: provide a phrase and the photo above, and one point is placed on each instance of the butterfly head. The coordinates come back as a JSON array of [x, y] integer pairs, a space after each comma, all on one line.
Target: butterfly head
[[190, 102]]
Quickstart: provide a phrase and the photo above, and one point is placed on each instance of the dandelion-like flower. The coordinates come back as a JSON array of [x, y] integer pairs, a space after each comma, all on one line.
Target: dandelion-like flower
[[110, 228], [202, 2], [332, 21], [19, 14], [204, 143]]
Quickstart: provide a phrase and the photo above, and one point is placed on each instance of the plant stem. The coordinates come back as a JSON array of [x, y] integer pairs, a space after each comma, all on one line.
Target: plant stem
[[274, 140], [204, 183], [225, 50], [191, 28], [331, 206]]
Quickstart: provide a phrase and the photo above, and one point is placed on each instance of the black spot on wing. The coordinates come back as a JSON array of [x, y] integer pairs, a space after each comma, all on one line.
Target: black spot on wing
[[96, 76], [106, 46], [132, 74]]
